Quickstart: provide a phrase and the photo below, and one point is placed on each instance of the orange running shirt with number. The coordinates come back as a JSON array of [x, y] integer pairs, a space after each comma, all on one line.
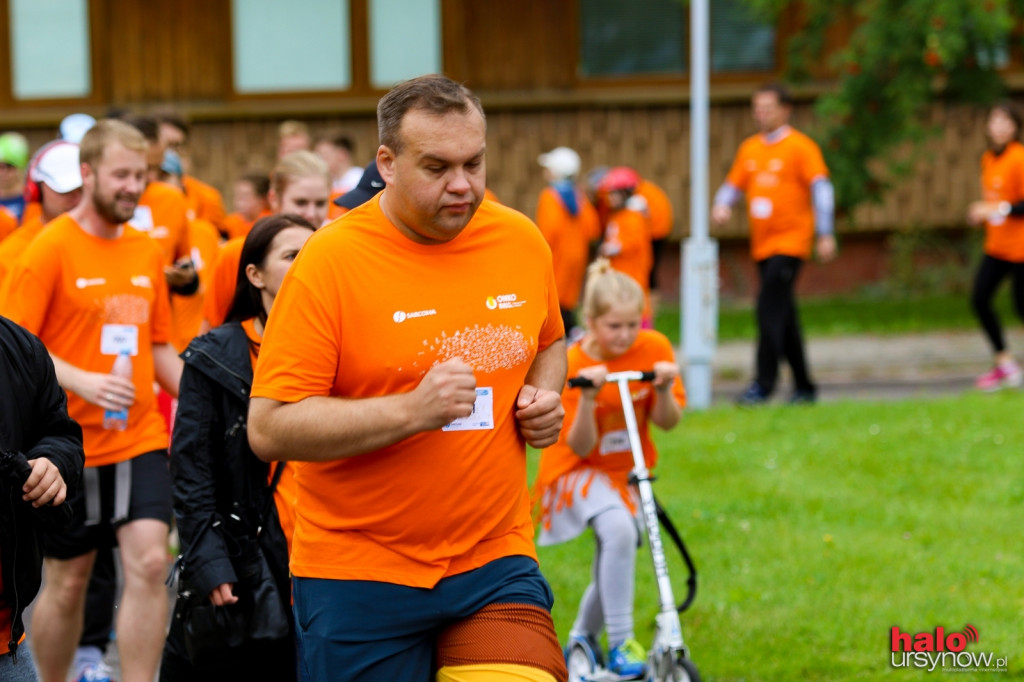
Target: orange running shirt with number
[[366, 312], [162, 213], [1002, 179], [777, 178], [78, 293], [612, 454]]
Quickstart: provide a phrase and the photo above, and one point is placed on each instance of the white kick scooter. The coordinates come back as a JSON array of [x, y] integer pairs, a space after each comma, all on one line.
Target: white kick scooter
[[668, 658]]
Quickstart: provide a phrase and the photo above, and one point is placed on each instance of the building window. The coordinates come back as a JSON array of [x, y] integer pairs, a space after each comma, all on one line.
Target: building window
[[632, 38], [739, 40], [415, 25], [50, 53], [296, 46]]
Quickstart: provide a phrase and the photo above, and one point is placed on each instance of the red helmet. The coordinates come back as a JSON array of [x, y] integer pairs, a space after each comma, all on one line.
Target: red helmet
[[619, 178]]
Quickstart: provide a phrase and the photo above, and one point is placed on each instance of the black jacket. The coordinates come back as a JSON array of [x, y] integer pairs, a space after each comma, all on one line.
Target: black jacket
[[217, 479], [33, 421]]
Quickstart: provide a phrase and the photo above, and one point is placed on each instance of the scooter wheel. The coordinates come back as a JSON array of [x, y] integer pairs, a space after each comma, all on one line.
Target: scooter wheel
[[580, 661], [674, 669]]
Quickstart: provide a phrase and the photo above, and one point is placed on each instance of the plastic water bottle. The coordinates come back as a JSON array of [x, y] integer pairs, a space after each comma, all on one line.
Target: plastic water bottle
[[118, 419]]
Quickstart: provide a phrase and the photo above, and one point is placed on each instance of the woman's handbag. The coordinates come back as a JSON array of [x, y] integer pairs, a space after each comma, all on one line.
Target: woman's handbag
[[259, 613]]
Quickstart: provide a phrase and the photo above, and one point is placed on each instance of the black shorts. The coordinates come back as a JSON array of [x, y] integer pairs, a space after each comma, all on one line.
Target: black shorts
[[110, 496]]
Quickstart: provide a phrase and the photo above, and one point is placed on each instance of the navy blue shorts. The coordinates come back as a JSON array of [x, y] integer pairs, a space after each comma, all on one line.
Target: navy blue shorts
[[365, 630]]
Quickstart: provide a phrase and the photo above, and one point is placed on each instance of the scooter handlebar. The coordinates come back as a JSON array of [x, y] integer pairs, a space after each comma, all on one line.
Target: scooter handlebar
[[583, 382]]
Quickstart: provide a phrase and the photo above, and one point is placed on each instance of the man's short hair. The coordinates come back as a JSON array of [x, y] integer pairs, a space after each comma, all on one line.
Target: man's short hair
[[259, 181], [172, 118], [108, 131], [781, 92], [433, 93], [336, 139], [146, 125]]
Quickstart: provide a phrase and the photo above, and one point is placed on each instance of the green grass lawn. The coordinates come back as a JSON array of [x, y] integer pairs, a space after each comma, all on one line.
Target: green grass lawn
[[860, 315], [816, 530]]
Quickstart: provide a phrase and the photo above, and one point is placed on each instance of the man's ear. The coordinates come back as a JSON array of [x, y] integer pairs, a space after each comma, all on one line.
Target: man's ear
[[386, 163]]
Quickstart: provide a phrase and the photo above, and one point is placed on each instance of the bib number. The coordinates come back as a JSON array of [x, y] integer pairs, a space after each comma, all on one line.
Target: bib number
[[116, 338], [482, 417]]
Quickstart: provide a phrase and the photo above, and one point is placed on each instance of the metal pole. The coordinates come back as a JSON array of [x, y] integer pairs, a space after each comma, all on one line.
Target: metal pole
[[699, 283]]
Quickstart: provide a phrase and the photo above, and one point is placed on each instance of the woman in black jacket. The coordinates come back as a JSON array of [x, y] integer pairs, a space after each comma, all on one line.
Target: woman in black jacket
[[41, 446], [222, 499]]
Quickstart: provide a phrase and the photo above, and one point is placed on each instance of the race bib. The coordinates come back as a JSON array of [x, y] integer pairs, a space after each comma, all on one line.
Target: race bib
[[116, 338], [761, 208], [614, 441], [482, 417]]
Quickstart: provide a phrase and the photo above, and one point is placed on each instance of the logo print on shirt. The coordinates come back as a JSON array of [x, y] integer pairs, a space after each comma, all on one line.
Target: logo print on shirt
[[503, 302], [142, 281], [401, 316], [83, 282], [486, 348]]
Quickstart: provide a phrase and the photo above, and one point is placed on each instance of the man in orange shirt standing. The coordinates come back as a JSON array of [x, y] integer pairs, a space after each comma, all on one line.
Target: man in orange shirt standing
[[410, 407], [93, 290], [790, 206]]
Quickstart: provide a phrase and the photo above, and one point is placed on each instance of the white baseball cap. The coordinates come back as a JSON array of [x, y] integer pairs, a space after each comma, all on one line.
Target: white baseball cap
[[59, 168], [561, 161], [74, 126]]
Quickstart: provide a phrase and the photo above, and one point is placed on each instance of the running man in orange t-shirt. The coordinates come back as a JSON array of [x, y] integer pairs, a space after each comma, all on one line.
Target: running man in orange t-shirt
[[790, 207], [569, 224], [413, 351], [93, 290]]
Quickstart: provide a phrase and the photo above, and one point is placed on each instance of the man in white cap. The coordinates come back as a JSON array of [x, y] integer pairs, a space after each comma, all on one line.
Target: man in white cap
[[569, 224], [54, 176]]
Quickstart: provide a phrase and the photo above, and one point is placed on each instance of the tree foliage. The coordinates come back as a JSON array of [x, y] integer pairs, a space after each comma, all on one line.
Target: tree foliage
[[902, 55]]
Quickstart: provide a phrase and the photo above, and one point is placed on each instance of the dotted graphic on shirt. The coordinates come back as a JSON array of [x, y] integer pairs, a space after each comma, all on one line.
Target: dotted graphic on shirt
[[485, 349], [126, 309]]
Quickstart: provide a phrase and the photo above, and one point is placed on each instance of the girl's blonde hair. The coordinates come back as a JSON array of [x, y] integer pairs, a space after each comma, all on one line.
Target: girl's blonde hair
[[607, 287], [301, 164]]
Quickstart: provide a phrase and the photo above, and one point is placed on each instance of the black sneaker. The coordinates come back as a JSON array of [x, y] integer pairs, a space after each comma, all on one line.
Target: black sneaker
[[754, 395], [806, 396]]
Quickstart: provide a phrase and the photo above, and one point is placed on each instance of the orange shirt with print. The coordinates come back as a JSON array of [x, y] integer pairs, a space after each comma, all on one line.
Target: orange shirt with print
[[78, 293], [187, 311], [777, 177], [1002, 179], [12, 247], [628, 232], [659, 209], [372, 323], [204, 201], [569, 237], [611, 455], [162, 213], [221, 283], [284, 493]]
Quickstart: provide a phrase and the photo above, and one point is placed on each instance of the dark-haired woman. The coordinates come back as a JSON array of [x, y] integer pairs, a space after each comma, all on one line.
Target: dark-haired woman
[[1001, 211], [221, 490]]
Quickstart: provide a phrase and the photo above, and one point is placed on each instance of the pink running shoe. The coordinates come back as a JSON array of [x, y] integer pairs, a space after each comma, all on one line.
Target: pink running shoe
[[1007, 374]]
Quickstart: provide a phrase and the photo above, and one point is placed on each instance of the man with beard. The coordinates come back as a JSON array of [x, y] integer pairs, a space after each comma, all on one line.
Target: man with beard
[[93, 290]]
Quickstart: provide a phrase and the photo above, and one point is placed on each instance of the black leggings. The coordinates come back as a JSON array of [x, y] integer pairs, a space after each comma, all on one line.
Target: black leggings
[[991, 273], [778, 324]]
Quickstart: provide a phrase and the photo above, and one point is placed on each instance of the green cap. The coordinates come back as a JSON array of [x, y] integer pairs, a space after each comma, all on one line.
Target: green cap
[[14, 150]]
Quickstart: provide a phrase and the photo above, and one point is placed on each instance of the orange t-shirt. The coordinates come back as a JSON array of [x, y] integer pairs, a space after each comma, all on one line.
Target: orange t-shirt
[[33, 209], [187, 311], [86, 298], [222, 281], [236, 225], [284, 493], [204, 201], [776, 178], [659, 209], [162, 213], [569, 237], [8, 223], [612, 454], [372, 324], [12, 247], [1002, 179], [629, 231]]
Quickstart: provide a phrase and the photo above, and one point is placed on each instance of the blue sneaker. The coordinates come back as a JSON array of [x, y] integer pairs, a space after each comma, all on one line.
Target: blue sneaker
[[754, 395], [628, 659]]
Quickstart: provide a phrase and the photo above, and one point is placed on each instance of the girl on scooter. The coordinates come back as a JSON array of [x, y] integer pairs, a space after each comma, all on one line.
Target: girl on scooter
[[584, 478]]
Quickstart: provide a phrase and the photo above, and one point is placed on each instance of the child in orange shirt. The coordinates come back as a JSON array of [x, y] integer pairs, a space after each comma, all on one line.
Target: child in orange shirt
[[584, 478]]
